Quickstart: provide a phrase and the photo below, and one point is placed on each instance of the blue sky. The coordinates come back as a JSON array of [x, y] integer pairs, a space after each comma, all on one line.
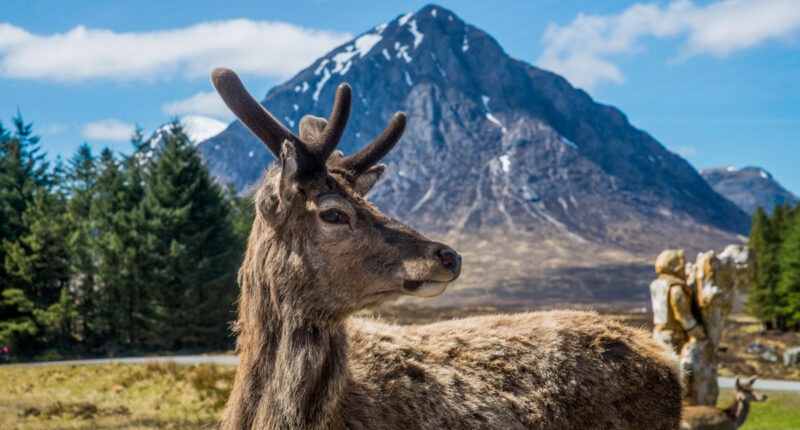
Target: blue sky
[[716, 81]]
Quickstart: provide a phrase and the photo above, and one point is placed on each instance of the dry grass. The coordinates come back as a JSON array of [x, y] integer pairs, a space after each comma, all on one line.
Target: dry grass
[[120, 396], [735, 360]]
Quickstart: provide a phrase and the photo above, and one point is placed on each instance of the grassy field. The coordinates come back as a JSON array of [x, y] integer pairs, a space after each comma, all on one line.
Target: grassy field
[[780, 411], [171, 396], [115, 396]]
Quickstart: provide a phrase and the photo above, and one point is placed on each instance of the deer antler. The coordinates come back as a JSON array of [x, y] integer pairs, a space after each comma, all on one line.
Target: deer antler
[[268, 129], [359, 162], [330, 136], [311, 155]]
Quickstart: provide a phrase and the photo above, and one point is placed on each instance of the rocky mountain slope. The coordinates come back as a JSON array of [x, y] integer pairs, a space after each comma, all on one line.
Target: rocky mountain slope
[[543, 189], [749, 187]]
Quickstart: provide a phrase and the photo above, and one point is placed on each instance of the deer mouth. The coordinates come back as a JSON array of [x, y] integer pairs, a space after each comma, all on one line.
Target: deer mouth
[[424, 288]]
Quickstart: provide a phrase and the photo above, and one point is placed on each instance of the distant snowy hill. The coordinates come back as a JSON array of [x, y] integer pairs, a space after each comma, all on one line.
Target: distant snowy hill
[[749, 187], [200, 128], [197, 128]]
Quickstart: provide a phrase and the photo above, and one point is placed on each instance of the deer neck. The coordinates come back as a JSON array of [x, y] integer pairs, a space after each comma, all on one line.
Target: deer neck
[[292, 373], [738, 411]]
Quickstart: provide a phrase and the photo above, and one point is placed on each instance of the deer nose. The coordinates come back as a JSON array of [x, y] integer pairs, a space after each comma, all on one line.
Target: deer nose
[[451, 261]]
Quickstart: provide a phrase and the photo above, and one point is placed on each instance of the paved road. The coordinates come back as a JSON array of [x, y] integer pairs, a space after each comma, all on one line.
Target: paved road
[[765, 384], [230, 360]]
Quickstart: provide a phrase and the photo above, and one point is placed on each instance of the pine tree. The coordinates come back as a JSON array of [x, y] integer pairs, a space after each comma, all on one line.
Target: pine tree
[[35, 305], [38, 275], [22, 170], [191, 248], [119, 249], [789, 282], [38, 263], [761, 296], [80, 183], [18, 327]]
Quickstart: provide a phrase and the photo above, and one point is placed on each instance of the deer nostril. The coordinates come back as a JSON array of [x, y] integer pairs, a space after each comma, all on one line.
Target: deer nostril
[[450, 259]]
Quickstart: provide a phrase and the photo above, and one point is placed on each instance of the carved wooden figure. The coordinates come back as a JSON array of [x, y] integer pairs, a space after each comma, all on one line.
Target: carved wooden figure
[[690, 320]]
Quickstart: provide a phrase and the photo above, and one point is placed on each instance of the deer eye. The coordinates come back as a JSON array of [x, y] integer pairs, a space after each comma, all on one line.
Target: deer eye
[[334, 216]]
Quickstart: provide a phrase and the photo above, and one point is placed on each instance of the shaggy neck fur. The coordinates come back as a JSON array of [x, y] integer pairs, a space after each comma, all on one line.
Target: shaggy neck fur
[[292, 360], [738, 411]]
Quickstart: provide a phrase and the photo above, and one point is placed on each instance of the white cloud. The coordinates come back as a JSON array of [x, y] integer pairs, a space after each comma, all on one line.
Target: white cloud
[[205, 104], [582, 51], [258, 48], [686, 151], [108, 129]]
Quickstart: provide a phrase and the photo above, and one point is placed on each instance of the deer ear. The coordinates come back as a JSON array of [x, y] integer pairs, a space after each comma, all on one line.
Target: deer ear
[[365, 181], [752, 379], [311, 128], [288, 181], [736, 383]]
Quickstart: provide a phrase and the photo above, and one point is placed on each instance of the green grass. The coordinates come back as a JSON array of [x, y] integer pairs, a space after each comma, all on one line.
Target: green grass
[[780, 411], [171, 396]]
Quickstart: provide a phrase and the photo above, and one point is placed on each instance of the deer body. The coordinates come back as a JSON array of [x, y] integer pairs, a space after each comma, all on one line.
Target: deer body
[[730, 418], [319, 252]]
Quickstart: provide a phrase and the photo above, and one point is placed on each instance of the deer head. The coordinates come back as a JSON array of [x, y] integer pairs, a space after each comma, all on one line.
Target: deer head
[[316, 242], [745, 392]]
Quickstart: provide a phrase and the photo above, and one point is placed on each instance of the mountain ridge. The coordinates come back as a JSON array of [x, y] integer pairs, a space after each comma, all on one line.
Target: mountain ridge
[[749, 187], [497, 152]]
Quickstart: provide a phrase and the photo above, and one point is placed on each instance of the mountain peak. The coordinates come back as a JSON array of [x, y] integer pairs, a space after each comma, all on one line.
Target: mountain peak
[[464, 95], [744, 171], [748, 187], [407, 48], [495, 149]]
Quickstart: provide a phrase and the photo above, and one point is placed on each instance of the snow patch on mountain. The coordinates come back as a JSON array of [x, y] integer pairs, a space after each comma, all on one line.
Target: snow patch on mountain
[[505, 163], [200, 128], [402, 51], [325, 76], [321, 65], [572, 144], [489, 115], [365, 43], [404, 19], [412, 27]]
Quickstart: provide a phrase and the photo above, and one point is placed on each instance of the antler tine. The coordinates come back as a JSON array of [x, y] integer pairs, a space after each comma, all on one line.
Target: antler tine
[[250, 111], [332, 133], [362, 160]]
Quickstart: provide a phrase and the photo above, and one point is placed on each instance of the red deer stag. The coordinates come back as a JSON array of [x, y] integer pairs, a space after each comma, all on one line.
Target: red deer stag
[[730, 418], [319, 252]]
